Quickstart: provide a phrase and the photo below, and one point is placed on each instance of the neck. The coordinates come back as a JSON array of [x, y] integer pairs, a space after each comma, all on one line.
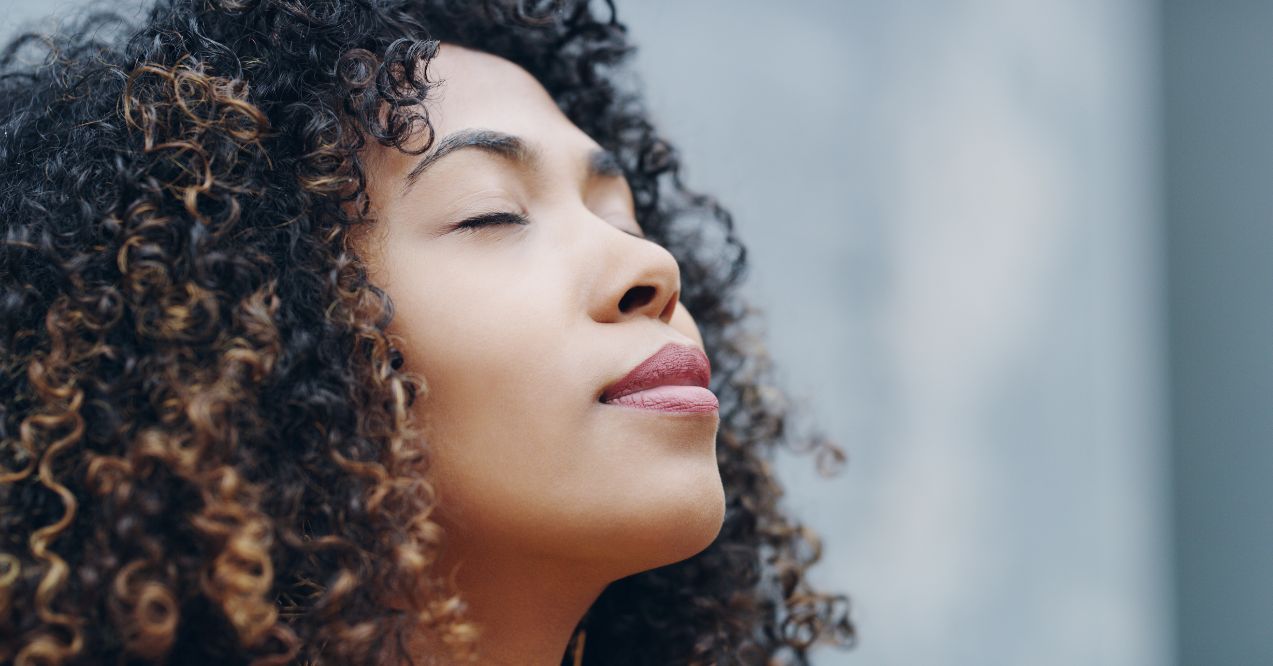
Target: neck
[[526, 610]]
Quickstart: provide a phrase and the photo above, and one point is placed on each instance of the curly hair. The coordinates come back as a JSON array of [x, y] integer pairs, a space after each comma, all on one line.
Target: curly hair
[[207, 451]]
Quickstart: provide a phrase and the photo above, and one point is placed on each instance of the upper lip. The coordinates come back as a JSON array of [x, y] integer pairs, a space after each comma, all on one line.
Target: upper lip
[[672, 365]]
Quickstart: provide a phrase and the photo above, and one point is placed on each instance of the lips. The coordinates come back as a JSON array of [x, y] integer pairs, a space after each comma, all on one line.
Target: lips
[[650, 385]]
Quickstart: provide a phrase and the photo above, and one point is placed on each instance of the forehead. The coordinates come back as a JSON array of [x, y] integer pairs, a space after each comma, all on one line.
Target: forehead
[[478, 89]]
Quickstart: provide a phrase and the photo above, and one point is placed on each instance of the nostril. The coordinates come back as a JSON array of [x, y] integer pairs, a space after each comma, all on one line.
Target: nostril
[[635, 298]]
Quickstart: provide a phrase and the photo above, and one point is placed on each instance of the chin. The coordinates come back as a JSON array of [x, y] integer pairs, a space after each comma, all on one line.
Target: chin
[[699, 530], [669, 532]]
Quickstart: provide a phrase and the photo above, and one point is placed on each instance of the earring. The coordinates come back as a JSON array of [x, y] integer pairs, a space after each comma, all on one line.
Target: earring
[[578, 652]]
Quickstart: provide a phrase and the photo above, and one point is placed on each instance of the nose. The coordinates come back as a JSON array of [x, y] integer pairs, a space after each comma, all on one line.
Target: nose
[[640, 279]]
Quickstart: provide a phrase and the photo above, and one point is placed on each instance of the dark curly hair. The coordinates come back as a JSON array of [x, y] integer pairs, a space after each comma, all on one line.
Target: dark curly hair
[[206, 448]]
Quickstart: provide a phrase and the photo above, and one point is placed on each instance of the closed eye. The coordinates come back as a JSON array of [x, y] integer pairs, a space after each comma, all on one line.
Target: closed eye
[[492, 219]]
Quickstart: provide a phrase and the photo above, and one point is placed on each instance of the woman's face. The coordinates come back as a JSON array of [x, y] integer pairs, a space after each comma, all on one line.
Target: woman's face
[[518, 328]]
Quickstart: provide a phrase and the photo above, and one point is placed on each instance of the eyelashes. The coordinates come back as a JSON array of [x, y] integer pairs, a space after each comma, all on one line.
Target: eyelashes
[[493, 219], [500, 217]]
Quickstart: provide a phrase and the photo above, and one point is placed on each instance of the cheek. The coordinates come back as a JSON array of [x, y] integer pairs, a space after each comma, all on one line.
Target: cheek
[[505, 399], [486, 348]]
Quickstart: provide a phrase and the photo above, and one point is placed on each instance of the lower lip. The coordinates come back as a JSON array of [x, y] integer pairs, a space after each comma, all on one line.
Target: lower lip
[[672, 399]]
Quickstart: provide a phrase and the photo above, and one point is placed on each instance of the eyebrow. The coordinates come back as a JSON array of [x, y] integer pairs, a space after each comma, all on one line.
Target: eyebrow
[[601, 162]]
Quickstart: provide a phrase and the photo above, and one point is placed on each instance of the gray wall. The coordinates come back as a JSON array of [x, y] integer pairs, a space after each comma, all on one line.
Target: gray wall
[[1219, 104], [952, 208]]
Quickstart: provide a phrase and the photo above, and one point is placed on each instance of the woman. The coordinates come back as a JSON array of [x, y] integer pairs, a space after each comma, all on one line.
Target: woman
[[336, 332]]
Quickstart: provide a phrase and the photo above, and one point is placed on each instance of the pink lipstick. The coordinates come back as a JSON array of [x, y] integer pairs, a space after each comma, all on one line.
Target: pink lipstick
[[674, 379]]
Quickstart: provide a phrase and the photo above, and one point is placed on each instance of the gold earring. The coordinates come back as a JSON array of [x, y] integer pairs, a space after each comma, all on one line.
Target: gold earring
[[579, 647]]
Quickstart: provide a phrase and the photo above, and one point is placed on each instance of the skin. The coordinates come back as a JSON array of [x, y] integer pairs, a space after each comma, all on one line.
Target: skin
[[546, 495]]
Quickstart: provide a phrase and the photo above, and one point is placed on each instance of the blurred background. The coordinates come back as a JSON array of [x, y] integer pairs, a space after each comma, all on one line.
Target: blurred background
[[1016, 258]]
